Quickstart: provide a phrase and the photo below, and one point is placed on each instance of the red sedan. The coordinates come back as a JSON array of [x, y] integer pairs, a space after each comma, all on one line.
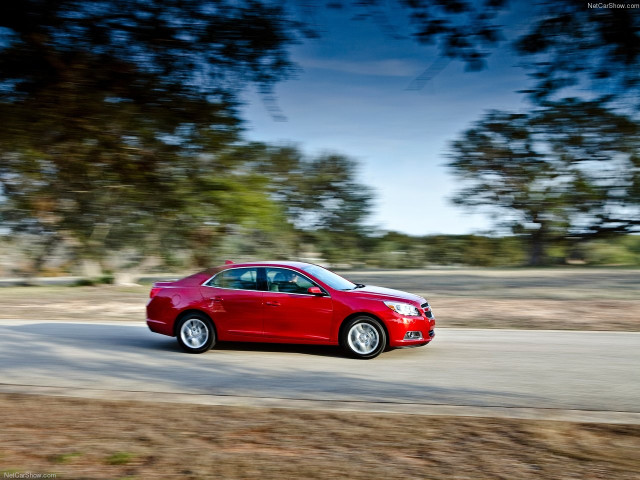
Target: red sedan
[[287, 302]]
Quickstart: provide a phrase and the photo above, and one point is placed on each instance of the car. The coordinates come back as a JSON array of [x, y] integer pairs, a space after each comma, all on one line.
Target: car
[[287, 302]]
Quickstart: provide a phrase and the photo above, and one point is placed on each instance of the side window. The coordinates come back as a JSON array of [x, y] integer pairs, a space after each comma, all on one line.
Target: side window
[[287, 281], [236, 278]]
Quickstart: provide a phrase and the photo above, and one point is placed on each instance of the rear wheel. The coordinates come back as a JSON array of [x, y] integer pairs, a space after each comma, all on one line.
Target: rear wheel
[[196, 333], [363, 337]]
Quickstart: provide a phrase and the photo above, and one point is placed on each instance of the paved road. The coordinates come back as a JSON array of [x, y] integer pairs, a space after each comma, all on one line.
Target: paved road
[[500, 369]]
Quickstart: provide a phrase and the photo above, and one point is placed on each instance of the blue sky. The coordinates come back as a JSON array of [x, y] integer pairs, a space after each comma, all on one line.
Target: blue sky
[[351, 97]]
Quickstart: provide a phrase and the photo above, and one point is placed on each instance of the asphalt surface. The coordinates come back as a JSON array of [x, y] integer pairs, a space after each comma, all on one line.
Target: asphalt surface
[[583, 376]]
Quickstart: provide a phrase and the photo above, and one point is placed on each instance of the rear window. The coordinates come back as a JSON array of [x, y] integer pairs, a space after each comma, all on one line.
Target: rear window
[[236, 278]]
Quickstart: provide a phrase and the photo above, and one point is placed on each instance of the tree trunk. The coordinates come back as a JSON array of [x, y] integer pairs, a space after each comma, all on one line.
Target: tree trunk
[[538, 246]]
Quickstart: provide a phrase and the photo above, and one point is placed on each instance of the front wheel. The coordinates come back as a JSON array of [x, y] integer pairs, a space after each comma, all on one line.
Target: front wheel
[[363, 337], [196, 333]]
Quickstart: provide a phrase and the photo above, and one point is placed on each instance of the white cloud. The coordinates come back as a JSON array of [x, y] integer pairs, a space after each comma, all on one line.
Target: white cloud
[[379, 68]]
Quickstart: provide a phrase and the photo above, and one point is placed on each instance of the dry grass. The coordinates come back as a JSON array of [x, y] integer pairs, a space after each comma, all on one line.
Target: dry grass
[[612, 315], [91, 439], [99, 303]]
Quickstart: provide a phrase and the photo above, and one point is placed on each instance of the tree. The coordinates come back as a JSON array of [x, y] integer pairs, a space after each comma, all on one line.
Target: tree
[[564, 43], [571, 43], [462, 29], [321, 196], [570, 168], [123, 130], [122, 117]]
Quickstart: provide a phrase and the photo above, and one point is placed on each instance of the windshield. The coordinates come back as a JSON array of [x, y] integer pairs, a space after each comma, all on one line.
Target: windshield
[[333, 280]]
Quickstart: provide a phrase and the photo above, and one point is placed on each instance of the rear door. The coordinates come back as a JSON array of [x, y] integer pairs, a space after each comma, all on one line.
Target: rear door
[[234, 302]]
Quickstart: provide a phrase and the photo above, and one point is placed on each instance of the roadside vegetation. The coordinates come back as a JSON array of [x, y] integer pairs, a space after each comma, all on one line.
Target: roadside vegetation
[[112, 440], [547, 298], [126, 151], [390, 250]]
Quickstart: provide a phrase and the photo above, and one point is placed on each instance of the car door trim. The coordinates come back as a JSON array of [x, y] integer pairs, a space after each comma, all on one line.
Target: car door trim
[[264, 281], [297, 272], [204, 284]]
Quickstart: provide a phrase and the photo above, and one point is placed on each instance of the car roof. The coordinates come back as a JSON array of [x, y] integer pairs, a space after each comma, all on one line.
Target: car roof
[[268, 263]]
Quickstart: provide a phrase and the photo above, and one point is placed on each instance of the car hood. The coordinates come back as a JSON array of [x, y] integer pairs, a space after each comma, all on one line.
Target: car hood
[[371, 291]]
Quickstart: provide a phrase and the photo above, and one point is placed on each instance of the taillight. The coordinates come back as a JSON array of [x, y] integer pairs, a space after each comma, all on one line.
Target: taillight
[[154, 291]]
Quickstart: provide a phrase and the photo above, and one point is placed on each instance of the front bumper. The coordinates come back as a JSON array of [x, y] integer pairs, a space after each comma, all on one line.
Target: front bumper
[[399, 328]]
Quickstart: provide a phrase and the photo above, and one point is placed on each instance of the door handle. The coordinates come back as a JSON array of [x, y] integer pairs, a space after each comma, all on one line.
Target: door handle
[[215, 301], [272, 304]]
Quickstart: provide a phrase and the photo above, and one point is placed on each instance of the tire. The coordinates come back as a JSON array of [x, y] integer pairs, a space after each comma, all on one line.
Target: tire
[[363, 337], [195, 333]]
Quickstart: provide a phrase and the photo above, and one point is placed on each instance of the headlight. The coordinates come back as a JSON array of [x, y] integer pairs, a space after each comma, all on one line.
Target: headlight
[[403, 308]]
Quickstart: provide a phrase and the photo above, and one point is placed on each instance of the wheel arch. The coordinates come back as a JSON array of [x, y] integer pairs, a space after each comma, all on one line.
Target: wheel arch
[[363, 314], [189, 311]]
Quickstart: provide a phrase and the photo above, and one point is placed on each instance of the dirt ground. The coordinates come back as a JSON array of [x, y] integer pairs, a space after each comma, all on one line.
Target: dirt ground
[[95, 439], [558, 299], [92, 439]]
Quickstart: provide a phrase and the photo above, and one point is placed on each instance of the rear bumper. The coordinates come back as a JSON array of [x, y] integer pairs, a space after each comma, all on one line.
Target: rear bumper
[[158, 326]]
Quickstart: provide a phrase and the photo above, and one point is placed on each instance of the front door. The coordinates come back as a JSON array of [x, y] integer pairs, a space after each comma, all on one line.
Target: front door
[[290, 312]]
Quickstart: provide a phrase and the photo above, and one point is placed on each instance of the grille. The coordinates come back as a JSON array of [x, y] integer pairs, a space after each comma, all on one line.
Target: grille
[[427, 310]]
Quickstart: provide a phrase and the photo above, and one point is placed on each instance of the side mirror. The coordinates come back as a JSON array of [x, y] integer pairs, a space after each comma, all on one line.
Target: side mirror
[[315, 291]]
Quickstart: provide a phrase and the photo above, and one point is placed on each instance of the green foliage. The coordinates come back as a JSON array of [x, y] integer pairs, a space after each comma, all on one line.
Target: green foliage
[[570, 44], [567, 169], [617, 251], [119, 458], [462, 29], [318, 193], [146, 52], [397, 250], [321, 199], [474, 250], [122, 135], [563, 43], [123, 128], [65, 457], [91, 282]]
